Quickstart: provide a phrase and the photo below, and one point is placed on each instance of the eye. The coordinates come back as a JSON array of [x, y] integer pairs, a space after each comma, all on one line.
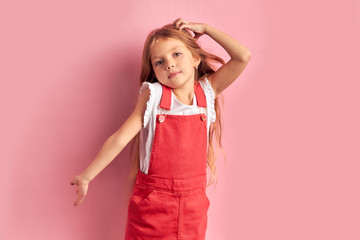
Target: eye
[[177, 54], [157, 63]]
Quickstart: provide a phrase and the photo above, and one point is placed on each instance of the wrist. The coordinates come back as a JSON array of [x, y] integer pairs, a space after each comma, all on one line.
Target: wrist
[[207, 28], [84, 178]]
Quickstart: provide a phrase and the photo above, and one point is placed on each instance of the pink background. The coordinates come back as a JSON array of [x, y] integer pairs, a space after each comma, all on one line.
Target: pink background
[[69, 78]]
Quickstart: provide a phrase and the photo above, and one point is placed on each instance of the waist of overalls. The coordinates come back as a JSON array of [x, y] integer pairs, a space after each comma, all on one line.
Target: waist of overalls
[[171, 185]]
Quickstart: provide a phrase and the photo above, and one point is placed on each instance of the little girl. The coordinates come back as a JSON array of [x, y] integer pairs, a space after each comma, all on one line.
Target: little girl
[[175, 118]]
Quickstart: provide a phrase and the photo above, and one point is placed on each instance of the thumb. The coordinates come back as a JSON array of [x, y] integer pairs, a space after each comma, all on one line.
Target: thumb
[[74, 181]]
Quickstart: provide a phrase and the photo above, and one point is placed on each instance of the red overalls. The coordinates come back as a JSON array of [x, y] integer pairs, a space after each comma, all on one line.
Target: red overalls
[[170, 201]]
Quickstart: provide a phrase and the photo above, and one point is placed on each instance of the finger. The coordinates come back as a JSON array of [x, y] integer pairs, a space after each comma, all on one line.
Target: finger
[[83, 192], [178, 23], [78, 201], [74, 181], [184, 26], [81, 198], [175, 22], [183, 22]]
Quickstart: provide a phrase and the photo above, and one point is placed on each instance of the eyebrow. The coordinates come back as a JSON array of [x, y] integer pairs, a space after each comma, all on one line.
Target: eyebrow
[[152, 58]]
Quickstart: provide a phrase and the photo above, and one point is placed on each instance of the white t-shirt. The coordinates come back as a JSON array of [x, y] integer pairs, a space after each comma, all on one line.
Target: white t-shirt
[[177, 108]]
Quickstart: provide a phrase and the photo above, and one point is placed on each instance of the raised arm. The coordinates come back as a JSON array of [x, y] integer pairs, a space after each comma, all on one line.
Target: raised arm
[[240, 55], [112, 146]]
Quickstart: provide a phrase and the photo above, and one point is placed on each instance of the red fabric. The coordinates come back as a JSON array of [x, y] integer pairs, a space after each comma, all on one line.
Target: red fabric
[[200, 96], [165, 98], [167, 209], [170, 201], [179, 147], [165, 102]]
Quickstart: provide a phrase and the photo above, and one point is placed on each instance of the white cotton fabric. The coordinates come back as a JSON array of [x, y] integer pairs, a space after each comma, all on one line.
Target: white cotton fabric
[[177, 108]]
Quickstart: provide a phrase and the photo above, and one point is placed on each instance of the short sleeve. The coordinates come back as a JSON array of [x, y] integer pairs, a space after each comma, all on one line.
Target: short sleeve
[[149, 103], [210, 98]]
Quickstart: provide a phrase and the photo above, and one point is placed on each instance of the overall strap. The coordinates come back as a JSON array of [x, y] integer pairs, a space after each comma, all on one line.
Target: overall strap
[[165, 102], [165, 98], [200, 96]]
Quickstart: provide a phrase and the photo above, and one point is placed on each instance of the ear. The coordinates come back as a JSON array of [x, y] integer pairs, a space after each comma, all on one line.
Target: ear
[[196, 61]]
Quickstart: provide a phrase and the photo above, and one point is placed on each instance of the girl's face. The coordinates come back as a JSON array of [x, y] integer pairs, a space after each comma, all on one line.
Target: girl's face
[[173, 63]]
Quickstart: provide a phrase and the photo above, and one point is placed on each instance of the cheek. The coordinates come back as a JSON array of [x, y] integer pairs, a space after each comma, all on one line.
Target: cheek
[[158, 73]]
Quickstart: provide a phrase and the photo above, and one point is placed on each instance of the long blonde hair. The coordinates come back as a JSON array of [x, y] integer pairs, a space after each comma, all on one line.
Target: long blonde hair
[[205, 68]]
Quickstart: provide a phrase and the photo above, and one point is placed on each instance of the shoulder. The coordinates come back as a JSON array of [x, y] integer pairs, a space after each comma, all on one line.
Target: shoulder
[[151, 88], [150, 94], [207, 88]]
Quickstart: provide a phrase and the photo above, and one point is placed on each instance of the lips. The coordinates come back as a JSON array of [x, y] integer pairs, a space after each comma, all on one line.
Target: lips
[[173, 74]]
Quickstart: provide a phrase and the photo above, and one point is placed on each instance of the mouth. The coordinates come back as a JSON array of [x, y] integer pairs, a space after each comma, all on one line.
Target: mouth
[[173, 74]]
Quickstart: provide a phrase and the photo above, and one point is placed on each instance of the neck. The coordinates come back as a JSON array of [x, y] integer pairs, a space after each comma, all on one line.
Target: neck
[[185, 94]]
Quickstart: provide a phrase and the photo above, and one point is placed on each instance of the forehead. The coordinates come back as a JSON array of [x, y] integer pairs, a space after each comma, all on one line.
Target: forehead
[[162, 46]]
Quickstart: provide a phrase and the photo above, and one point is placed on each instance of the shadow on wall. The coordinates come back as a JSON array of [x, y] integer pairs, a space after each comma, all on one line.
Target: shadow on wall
[[61, 137]]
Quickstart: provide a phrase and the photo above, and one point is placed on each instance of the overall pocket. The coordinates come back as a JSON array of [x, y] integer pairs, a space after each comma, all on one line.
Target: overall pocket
[[140, 195]]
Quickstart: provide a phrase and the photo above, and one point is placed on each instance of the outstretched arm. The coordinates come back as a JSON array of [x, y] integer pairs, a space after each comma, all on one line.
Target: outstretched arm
[[112, 147], [240, 55]]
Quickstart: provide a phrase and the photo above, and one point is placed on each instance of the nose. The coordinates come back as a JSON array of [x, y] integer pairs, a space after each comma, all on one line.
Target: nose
[[169, 65]]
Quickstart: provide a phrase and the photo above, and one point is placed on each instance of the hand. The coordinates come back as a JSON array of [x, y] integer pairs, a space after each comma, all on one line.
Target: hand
[[197, 28], [82, 188]]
